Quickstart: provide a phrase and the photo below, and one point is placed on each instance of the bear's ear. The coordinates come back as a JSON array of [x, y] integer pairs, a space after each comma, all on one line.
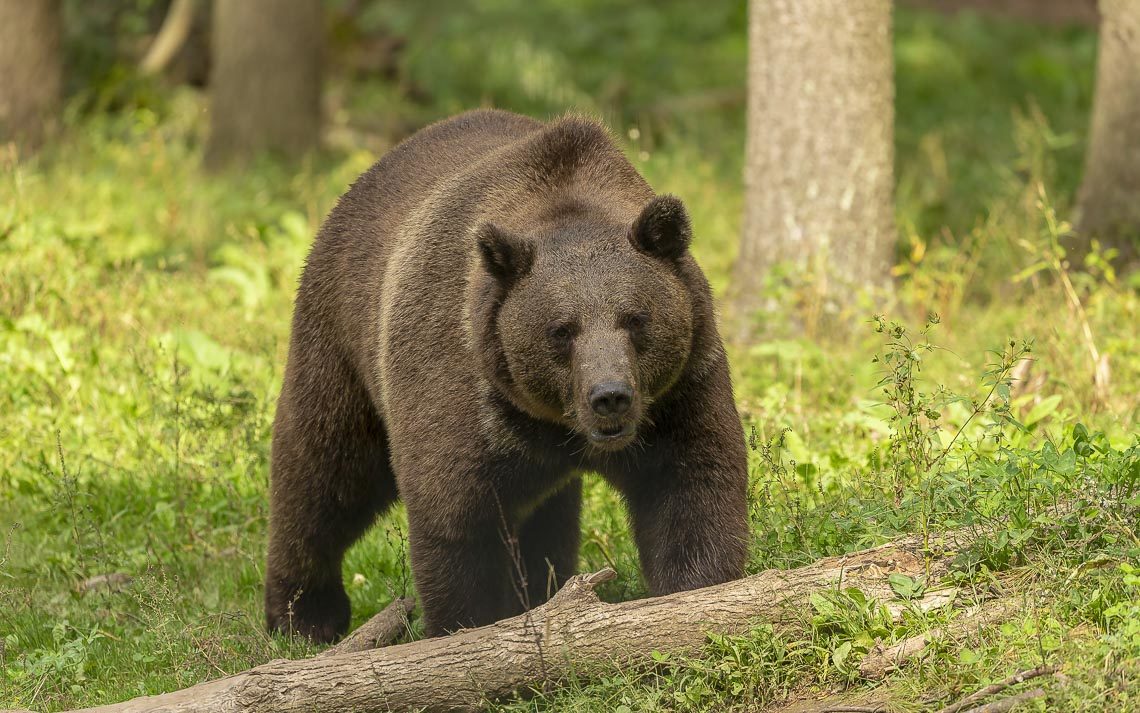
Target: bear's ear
[[506, 256], [662, 229]]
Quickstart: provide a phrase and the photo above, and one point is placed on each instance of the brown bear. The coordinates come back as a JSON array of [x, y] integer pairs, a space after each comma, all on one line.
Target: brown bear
[[493, 309]]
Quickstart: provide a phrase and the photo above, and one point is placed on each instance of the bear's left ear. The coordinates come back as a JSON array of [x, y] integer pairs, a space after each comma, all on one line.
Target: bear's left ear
[[505, 255], [662, 229]]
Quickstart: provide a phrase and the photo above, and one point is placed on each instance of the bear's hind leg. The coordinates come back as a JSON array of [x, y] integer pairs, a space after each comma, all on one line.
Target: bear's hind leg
[[330, 478]]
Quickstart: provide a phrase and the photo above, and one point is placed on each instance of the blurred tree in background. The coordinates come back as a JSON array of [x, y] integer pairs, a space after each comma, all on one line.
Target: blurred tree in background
[[660, 73], [265, 87], [30, 69], [1109, 198], [172, 37], [819, 174]]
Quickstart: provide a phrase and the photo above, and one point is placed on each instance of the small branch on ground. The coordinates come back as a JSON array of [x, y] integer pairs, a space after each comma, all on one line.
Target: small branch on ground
[[849, 701], [384, 629], [881, 661], [1008, 704], [995, 688]]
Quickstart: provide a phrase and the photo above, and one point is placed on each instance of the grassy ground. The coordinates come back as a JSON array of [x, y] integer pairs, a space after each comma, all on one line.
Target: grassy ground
[[144, 312]]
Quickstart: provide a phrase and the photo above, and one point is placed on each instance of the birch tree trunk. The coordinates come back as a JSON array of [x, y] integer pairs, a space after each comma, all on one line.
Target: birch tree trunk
[[265, 84], [30, 69], [819, 172], [1109, 199]]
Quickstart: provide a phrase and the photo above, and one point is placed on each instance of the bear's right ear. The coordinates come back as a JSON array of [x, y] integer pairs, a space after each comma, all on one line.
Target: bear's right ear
[[506, 256], [662, 229]]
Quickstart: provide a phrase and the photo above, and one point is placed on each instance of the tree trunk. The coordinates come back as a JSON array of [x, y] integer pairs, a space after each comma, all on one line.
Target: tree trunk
[[819, 155], [30, 69], [1109, 199], [573, 633], [265, 84]]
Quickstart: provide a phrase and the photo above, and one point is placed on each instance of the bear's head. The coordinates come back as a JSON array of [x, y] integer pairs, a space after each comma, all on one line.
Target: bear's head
[[586, 320]]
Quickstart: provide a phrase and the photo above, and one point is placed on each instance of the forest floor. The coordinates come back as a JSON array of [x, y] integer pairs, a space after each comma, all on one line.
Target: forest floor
[[144, 314]]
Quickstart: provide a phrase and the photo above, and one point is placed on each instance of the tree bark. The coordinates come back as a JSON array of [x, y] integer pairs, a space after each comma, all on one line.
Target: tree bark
[[30, 69], [572, 633], [819, 172], [1109, 198], [265, 85]]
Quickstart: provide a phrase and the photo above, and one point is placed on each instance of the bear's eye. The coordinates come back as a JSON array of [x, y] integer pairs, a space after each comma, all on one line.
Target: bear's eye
[[636, 321], [560, 333]]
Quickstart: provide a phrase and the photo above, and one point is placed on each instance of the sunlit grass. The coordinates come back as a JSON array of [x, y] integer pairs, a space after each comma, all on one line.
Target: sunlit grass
[[144, 313]]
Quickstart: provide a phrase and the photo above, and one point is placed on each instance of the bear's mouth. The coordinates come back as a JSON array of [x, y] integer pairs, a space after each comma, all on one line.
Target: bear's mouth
[[612, 436]]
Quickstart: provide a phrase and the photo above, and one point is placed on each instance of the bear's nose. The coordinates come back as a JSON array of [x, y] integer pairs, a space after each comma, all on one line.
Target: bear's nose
[[612, 398]]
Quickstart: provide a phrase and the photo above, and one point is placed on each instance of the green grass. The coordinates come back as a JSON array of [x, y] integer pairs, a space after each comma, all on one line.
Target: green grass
[[144, 312]]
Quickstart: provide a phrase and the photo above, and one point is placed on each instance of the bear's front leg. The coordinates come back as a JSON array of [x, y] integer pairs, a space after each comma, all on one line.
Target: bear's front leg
[[548, 548], [461, 564], [687, 491], [691, 531]]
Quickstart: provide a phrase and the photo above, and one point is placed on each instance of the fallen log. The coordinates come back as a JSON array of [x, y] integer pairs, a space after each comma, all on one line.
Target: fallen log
[[574, 632]]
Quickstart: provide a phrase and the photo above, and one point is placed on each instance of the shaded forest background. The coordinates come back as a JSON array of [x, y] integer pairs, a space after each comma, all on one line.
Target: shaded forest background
[[147, 278]]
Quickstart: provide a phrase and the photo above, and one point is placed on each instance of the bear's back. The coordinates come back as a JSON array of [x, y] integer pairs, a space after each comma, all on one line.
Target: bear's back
[[356, 233], [342, 280]]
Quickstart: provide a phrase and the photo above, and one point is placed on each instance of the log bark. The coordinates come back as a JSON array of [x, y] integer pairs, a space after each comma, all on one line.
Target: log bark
[[574, 632]]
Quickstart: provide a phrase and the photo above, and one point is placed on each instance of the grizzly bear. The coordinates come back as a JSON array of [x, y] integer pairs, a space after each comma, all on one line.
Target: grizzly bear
[[495, 308]]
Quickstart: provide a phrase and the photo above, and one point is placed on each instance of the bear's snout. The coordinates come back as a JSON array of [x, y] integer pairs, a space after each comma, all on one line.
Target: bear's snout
[[614, 407], [611, 399]]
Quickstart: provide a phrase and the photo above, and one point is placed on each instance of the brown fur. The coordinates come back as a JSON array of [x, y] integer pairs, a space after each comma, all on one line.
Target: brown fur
[[463, 312]]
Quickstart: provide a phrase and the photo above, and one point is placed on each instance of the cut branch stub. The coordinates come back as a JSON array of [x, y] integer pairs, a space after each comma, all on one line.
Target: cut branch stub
[[381, 630]]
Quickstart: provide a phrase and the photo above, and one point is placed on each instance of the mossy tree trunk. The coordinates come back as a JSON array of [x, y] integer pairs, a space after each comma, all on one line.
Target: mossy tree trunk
[[265, 85], [1109, 198], [30, 69], [819, 173]]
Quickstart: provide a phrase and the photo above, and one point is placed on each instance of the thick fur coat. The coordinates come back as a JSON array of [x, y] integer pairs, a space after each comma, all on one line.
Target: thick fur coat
[[496, 307]]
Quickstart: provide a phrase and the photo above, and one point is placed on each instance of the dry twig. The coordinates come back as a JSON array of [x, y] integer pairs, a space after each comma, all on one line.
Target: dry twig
[[995, 688], [1008, 704]]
